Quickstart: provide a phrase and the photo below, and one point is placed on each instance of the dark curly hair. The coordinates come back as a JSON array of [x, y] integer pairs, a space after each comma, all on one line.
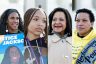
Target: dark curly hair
[[4, 18]]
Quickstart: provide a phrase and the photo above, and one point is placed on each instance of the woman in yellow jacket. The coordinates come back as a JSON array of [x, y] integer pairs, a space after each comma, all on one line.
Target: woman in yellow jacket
[[83, 38]]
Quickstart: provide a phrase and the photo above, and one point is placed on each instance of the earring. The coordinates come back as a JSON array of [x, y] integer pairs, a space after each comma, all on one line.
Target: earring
[[42, 34], [6, 29]]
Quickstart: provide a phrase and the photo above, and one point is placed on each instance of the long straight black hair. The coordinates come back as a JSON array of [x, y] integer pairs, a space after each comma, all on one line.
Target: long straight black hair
[[7, 59]]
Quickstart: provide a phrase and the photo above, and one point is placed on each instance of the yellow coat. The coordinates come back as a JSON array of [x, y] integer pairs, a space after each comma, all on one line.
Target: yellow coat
[[79, 43]]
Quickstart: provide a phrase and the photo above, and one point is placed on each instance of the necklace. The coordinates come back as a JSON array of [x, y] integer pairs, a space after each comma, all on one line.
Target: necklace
[[32, 52], [30, 49], [42, 62]]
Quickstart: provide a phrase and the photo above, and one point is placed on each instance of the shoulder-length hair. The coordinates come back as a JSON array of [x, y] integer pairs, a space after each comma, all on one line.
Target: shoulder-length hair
[[4, 18], [28, 17], [7, 60], [68, 29]]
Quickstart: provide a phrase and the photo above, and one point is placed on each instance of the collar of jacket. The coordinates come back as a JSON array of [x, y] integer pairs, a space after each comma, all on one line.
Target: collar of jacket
[[56, 38], [91, 35]]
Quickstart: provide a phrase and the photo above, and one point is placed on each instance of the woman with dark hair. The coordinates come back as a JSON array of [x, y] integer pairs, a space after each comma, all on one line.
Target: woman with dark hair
[[59, 39], [35, 24], [84, 38], [10, 22], [13, 56]]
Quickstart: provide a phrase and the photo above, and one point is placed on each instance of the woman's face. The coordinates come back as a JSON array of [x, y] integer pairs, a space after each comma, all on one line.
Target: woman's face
[[59, 22], [83, 23], [13, 21], [38, 23], [14, 55]]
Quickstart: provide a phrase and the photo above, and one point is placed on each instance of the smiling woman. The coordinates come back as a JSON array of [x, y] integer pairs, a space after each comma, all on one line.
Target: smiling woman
[[59, 39], [10, 22]]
